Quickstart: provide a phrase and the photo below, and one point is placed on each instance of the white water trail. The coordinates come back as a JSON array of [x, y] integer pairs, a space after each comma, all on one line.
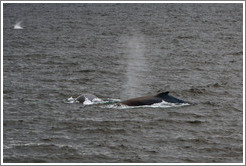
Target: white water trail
[[136, 67]]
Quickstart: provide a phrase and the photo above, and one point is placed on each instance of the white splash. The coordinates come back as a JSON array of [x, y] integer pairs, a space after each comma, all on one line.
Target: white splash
[[97, 100], [18, 25], [69, 100], [165, 104], [88, 102], [162, 104]]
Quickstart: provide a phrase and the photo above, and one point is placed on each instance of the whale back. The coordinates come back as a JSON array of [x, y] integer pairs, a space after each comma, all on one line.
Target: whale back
[[80, 99], [168, 98], [162, 95], [146, 100], [149, 100], [83, 97]]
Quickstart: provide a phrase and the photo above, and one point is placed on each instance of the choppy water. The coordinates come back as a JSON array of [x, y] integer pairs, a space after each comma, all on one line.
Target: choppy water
[[118, 51]]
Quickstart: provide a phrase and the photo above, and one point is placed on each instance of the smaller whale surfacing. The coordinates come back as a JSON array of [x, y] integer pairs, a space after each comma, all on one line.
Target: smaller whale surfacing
[[85, 99]]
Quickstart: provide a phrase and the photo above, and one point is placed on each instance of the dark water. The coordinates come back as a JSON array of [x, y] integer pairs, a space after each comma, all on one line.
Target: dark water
[[119, 51]]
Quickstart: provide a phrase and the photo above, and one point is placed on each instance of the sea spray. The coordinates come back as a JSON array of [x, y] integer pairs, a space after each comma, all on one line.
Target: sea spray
[[136, 66]]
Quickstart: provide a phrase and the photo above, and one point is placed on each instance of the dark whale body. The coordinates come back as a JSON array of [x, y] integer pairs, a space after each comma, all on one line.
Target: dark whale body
[[149, 100], [82, 98]]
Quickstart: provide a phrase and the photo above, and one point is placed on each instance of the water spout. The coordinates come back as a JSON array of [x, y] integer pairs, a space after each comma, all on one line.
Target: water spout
[[136, 66]]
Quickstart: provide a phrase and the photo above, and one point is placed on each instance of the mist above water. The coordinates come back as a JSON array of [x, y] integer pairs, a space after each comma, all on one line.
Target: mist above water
[[136, 66]]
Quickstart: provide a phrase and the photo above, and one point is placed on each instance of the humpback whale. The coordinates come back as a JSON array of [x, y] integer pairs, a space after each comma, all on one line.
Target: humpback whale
[[88, 99], [149, 100], [83, 98]]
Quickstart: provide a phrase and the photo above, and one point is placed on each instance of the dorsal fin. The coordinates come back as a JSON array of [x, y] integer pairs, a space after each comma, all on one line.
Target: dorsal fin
[[162, 94]]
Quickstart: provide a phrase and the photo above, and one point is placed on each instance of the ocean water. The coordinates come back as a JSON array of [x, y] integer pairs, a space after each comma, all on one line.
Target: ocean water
[[119, 51]]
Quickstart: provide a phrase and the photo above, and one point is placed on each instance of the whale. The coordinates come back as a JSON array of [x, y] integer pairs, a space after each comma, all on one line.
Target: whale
[[84, 97], [88, 99], [152, 99]]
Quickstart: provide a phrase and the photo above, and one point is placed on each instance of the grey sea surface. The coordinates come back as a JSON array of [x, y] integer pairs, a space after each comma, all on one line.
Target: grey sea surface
[[119, 51]]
